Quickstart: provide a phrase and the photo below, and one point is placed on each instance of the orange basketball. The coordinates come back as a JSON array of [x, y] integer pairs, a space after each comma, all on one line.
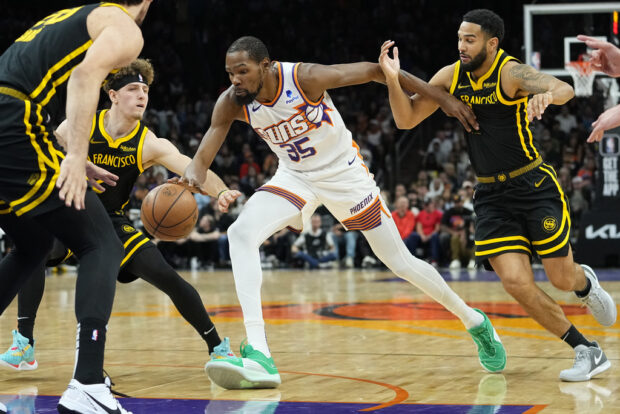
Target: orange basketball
[[169, 212]]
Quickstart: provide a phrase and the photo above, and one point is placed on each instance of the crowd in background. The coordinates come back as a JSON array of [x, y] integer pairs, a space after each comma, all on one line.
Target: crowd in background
[[428, 185]]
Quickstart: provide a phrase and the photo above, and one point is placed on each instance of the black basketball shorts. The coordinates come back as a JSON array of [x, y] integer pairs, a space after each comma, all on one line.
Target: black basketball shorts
[[528, 214]]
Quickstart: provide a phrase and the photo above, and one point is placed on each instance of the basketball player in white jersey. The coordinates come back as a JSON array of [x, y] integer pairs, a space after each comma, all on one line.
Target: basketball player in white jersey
[[319, 163]]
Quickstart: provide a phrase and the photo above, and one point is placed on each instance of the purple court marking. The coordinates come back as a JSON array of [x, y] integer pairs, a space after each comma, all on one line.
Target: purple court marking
[[46, 404], [604, 275]]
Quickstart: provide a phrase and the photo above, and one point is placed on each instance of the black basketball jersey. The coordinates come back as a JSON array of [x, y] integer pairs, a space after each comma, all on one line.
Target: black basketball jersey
[[122, 157], [504, 141], [40, 61]]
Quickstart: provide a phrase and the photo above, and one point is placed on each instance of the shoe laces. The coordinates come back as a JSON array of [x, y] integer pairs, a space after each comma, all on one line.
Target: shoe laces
[[593, 300], [107, 380], [581, 358]]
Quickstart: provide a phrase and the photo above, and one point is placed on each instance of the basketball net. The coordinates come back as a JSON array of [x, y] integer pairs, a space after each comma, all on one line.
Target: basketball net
[[583, 75]]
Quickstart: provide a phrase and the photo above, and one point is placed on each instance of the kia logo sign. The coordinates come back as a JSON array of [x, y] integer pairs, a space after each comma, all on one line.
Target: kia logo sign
[[608, 231]]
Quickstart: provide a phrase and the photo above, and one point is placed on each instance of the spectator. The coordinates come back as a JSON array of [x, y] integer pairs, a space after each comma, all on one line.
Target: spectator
[[427, 232], [456, 224], [346, 239], [203, 243], [315, 246], [566, 120], [248, 161], [468, 198], [405, 221]]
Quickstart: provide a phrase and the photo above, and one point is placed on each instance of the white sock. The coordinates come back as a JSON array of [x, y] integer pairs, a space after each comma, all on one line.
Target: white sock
[[263, 215]]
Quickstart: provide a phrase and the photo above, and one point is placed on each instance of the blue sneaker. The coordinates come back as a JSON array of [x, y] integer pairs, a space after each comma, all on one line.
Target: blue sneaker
[[222, 350], [20, 356], [252, 370]]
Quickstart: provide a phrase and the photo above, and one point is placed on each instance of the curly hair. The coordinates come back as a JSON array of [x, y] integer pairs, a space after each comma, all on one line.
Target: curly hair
[[138, 66]]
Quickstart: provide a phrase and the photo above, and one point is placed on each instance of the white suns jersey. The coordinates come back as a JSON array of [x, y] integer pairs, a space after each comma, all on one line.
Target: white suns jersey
[[305, 135]]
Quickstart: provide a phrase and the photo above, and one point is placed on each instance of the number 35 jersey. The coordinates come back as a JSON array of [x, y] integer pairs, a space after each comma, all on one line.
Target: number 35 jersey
[[305, 135]]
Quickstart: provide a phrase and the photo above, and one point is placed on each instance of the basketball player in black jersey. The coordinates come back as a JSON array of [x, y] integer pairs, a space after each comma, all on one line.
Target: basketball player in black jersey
[[56, 68], [520, 207], [120, 142]]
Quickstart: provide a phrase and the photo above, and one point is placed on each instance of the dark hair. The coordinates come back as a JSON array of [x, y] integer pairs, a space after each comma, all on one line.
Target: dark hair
[[257, 51], [491, 23], [126, 2]]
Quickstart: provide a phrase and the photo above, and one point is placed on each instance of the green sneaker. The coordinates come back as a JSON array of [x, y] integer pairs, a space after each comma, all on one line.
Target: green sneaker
[[491, 352], [20, 356], [252, 370]]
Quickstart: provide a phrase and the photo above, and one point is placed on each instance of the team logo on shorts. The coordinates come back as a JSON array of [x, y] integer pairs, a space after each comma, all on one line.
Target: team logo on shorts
[[549, 224], [128, 229]]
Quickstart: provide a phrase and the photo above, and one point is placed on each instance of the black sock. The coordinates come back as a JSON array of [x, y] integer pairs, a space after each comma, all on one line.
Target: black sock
[[573, 337], [584, 293], [91, 346], [25, 326], [211, 337]]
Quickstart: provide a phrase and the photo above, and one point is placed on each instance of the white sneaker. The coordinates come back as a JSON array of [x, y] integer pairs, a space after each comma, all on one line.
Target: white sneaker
[[2, 409], [599, 302], [89, 399], [471, 265], [348, 262], [455, 264], [589, 361]]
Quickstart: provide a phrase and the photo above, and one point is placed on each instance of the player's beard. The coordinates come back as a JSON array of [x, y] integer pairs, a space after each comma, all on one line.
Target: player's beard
[[476, 61], [249, 97]]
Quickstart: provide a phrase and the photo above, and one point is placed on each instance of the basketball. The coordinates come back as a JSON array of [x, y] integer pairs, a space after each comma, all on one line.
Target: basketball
[[314, 114], [169, 212]]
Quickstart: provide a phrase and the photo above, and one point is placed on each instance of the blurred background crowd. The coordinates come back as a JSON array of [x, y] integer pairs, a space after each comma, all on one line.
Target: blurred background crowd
[[425, 173]]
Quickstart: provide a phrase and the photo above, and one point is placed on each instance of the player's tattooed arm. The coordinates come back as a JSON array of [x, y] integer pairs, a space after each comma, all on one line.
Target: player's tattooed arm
[[531, 80], [544, 89]]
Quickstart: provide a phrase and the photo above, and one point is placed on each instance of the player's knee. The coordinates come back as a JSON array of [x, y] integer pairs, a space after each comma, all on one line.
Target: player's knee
[[111, 247], [562, 278], [516, 285], [239, 234]]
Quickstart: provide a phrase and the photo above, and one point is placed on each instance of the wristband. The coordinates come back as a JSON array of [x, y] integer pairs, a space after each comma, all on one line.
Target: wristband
[[222, 192]]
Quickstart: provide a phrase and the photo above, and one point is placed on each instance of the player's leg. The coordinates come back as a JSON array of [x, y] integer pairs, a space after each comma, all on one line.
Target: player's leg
[[90, 235], [21, 354], [351, 195], [549, 226], [263, 215], [569, 276], [30, 247], [150, 265], [516, 275]]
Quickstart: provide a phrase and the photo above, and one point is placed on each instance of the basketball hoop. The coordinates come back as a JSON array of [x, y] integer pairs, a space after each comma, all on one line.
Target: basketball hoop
[[583, 75]]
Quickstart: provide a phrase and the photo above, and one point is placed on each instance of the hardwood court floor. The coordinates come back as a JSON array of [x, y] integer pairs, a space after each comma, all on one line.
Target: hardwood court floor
[[344, 341]]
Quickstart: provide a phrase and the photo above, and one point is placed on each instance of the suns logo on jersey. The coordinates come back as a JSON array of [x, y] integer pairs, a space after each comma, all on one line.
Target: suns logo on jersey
[[306, 118]]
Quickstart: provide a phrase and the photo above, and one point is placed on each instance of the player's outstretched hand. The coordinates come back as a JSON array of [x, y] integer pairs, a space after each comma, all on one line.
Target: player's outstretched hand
[[606, 57], [96, 174], [455, 108], [537, 105], [226, 199], [192, 179], [607, 120], [390, 66], [71, 181]]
